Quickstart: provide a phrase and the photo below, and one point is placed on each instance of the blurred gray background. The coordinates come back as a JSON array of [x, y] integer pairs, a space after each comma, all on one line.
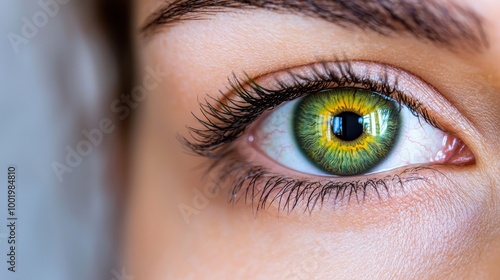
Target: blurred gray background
[[51, 87]]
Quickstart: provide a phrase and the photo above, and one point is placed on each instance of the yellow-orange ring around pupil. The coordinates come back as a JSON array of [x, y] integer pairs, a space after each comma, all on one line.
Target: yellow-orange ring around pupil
[[340, 103], [360, 143], [312, 127]]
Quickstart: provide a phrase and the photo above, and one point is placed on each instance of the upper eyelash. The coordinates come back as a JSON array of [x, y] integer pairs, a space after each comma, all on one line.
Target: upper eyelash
[[225, 119]]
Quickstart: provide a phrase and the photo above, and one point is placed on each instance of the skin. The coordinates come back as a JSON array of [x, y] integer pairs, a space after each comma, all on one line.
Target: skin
[[445, 228]]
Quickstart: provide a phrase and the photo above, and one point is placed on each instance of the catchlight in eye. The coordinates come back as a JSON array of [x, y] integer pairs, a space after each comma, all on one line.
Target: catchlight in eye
[[346, 131]]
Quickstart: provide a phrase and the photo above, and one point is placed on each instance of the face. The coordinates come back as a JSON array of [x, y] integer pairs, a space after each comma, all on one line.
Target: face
[[326, 141]]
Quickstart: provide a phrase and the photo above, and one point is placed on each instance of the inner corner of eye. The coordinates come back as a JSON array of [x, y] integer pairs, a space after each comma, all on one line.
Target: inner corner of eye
[[348, 132], [454, 152]]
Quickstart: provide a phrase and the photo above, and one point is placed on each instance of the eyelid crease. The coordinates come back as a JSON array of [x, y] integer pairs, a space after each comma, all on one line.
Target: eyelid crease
[[225, 119]]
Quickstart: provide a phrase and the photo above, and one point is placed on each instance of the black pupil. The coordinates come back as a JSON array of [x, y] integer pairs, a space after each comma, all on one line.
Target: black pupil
[[347, 126]]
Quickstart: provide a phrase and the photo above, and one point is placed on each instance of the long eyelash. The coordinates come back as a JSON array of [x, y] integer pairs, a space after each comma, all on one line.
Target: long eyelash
[[225, 119], [261, 188]]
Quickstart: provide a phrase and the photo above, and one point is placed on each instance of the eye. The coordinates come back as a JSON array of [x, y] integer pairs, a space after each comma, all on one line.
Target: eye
[[347, 131], [324, 127]]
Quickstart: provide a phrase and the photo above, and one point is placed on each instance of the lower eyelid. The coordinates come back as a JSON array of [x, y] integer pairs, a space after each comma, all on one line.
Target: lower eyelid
[[254, 185], [242, 174]]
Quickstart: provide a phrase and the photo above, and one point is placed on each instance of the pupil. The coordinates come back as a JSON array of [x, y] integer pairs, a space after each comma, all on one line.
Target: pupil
[[347, 126]]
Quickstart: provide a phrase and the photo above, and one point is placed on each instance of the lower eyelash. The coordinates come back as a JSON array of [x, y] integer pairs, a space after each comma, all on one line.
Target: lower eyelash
[[261, 188], [225, 119]]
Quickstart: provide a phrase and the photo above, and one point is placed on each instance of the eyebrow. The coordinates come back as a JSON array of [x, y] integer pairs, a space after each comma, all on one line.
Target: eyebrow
[[443, 23]]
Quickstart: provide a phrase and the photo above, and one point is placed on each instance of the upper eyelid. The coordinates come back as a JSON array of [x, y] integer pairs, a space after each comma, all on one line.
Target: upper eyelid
[[270, 79], [209, 139]]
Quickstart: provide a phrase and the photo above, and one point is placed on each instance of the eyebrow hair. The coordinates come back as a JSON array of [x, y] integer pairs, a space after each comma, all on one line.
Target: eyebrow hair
[[444, 24]]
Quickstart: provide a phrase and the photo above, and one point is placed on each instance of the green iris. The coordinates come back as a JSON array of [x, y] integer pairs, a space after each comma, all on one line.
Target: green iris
[[346, 131]]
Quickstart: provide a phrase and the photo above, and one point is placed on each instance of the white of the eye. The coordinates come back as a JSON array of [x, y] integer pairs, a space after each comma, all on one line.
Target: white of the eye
[[418, 142]]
